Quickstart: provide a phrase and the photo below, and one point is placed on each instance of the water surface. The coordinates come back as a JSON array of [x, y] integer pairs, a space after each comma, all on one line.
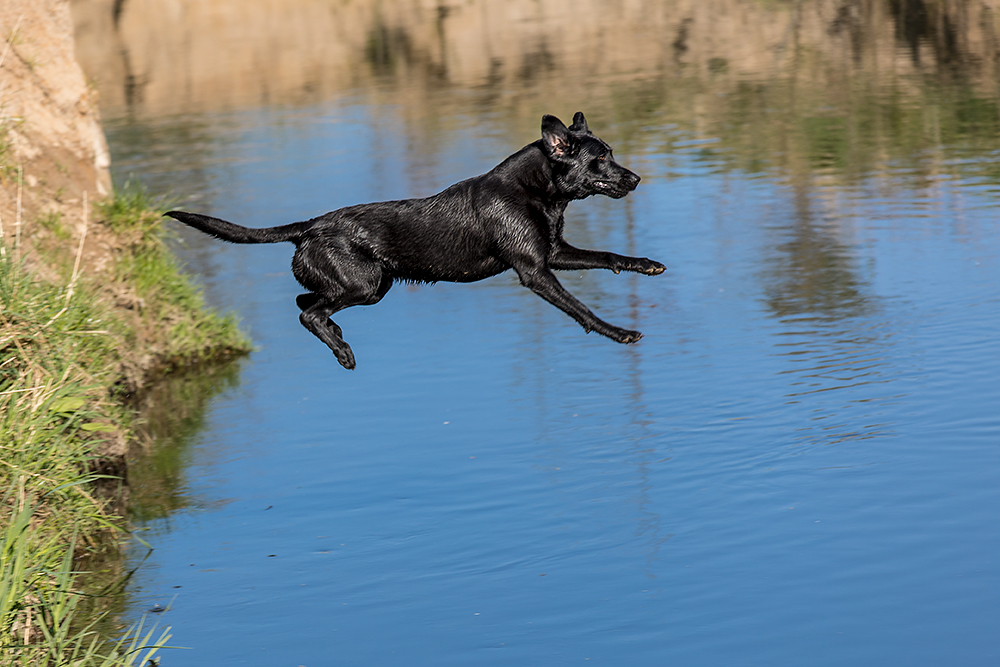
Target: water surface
[[796, 465]]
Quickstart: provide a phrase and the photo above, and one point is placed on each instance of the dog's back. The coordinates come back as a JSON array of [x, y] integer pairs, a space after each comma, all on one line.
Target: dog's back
[[456, 235]]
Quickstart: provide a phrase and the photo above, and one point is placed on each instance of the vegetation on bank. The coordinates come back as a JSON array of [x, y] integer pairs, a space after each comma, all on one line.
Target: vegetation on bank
[[71, 351]]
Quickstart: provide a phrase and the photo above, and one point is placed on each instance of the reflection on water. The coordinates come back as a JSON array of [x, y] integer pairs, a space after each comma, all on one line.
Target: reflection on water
[[157, 56], [812, 272], [797, 460], [168, 417], [171, 415]]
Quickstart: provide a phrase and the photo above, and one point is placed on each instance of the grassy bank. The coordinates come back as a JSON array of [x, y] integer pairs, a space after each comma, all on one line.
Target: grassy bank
[[73, 348]]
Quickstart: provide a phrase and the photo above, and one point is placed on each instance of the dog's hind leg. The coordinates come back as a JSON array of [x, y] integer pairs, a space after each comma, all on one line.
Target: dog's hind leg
[[310, 299], [348, 281], [316, 318]]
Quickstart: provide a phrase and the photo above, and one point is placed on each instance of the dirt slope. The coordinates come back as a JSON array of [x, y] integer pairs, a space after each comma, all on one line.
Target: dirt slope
[[52, 148]]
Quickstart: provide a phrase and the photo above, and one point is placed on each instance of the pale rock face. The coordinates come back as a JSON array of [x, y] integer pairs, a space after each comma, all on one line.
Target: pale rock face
[[50, 129]]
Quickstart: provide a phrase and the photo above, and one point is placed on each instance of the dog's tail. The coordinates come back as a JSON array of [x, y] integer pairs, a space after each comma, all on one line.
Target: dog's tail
[[227, 231]]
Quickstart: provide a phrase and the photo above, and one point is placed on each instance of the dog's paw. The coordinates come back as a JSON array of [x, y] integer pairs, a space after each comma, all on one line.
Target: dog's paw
[[650, 268], [624, 336], [345, 355]]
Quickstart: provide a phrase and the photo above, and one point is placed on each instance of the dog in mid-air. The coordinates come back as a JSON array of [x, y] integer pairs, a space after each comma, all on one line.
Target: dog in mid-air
[[508, 218]]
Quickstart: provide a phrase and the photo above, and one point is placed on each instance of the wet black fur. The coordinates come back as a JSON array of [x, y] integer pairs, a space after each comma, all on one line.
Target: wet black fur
[[510, 217]]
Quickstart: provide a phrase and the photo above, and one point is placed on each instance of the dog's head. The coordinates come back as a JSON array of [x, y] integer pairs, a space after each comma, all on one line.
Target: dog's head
[[582, 164]]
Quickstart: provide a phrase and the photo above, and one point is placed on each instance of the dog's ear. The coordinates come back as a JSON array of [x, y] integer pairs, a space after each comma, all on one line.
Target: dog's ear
[[555, 136], [579, 123]]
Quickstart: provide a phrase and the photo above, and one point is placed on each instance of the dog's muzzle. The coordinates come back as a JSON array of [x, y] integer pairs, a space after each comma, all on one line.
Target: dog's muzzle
[[625, 184]]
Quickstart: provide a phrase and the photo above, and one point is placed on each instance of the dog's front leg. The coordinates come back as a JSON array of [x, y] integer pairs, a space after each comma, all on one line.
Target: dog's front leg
[[543, 282], [567, 257]]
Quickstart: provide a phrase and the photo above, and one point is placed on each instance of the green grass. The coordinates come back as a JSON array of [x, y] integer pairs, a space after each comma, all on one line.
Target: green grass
[[38, 602], [57, 359], [6, 153], [168, 297], [52, 221], [57, 355], [68, 355]]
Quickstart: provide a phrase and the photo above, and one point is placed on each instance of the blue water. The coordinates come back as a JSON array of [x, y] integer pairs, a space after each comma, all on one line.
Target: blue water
[[797, 465]]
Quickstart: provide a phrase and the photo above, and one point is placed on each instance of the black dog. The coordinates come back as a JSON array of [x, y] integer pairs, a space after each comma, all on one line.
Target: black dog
[[511, 217]]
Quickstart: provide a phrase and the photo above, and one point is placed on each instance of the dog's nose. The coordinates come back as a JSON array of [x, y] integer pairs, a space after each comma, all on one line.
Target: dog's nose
[[632, 179]]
